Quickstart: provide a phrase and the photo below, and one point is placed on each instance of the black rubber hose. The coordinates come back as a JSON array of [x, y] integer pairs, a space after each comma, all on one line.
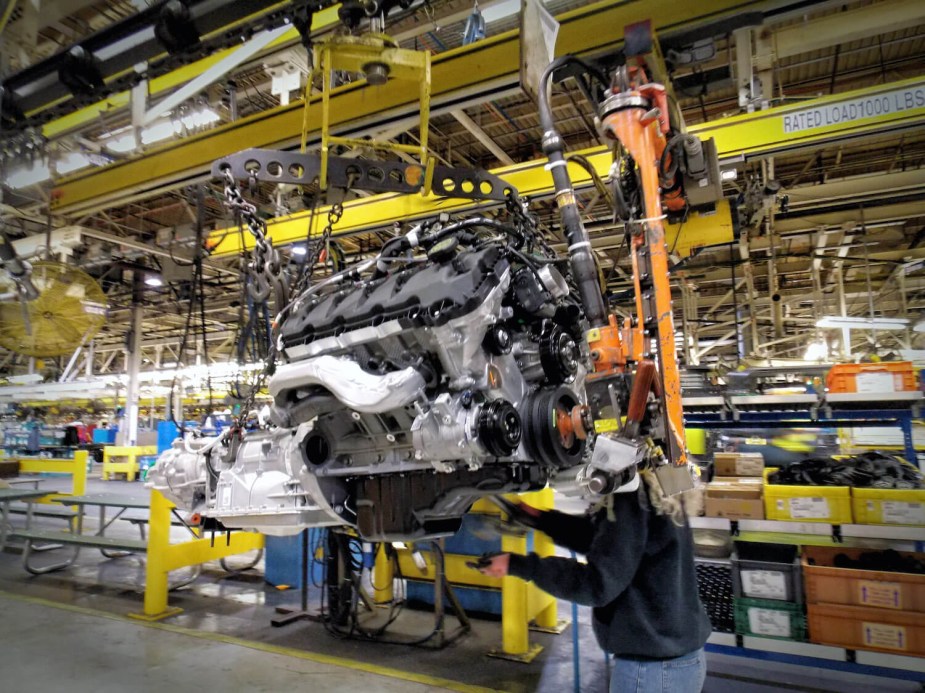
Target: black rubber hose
[[581, 259], [454, 228], [399, 244]]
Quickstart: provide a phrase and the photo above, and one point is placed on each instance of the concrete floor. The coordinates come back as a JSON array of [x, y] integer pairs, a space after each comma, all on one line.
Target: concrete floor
[[68, 630]]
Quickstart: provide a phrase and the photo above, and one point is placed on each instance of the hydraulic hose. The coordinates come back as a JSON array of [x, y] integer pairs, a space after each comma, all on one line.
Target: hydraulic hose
[[579, 245]]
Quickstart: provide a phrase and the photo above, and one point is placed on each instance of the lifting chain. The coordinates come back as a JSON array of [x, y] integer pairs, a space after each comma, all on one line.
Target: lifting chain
[[321, 245], [266, 273], [264, 267]]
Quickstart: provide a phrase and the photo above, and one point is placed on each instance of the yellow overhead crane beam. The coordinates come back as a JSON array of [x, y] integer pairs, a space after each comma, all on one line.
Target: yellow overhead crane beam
[[478, 72], [772, 131]]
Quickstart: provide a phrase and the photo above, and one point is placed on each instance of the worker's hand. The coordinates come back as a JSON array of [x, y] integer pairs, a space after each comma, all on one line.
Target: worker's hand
[[498, 566]]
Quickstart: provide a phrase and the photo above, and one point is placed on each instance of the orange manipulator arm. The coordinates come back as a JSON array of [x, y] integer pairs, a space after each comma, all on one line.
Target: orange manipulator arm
[[637, 118]]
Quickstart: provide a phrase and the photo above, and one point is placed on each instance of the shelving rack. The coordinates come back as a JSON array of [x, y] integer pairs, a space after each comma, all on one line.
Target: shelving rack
[[893, 410], [887, 409], [807, 653]]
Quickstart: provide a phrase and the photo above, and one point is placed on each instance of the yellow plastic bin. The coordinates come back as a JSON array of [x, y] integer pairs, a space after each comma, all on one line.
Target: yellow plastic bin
[[831, 504], [887, 506]]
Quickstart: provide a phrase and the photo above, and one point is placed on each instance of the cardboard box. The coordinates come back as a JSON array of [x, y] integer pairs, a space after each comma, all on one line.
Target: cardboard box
[[738, 499], [828, 584], [738, 464]]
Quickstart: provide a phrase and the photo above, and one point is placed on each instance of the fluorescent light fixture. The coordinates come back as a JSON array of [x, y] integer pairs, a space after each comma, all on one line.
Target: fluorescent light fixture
[[72, 161], [24, 176], [199, 118], [121, 144], [729, 174], [299, 250], [154, 280], [161, 130], [502, 10], [816, 351], [124, 141], [857, 323]]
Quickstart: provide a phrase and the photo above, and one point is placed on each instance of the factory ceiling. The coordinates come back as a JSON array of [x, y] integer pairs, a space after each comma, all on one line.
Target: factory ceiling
[[847, 222]]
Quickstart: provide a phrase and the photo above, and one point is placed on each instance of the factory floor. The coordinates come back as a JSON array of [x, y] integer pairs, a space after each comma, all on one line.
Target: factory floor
[[69, 630]]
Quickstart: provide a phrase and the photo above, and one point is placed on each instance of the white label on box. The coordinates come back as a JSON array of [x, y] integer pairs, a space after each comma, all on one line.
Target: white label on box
[[764, 584], [884, 635], [769, 622], [809, 508], [887, 595], [902, 513], [749, 467], [875, 382], [226, 496]]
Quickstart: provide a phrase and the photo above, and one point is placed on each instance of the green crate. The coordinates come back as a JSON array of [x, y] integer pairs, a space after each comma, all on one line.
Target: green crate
[[769, 618]]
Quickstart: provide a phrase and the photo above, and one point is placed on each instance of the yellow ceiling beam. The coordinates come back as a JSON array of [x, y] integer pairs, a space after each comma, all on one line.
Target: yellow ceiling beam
[[900, 105], [480, 71]]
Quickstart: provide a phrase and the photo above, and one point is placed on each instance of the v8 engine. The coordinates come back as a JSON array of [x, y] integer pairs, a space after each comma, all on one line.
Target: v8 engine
[[445, 369], [466, 358]]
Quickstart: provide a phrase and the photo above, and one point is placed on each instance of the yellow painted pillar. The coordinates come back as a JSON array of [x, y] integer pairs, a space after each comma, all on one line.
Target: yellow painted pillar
[[548, 617], [79, 475], [515, 636], [132, 470], [383, 577], [156, 572]]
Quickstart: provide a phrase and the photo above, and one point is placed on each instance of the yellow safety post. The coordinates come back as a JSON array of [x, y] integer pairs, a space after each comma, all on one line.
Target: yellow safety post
[[383, 577], [163, 557], [124, 460], [541, 606], [515, 635], [524, 603], [76, 467]]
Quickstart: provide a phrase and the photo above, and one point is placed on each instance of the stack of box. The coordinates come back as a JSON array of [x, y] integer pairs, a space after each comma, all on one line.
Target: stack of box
[[736, 490], [881, 610], [768, 591]]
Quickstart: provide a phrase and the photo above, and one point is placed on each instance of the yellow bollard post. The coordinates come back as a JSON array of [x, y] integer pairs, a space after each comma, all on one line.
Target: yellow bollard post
[[131, 464], [383, 577], [79, 475], [515, 633], [546, 618], [156, 572]]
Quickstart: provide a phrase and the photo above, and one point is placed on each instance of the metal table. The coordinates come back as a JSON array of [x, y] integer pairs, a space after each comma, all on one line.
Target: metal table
[[22, 481], [105, 501], [7, 496]]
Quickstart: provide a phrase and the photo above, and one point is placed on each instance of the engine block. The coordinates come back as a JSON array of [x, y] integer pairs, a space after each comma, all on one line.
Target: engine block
[[408, 388]]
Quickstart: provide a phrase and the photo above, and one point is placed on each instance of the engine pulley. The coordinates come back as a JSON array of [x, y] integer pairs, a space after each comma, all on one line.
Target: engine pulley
[[499, 427], [549, 442], [559, 356]]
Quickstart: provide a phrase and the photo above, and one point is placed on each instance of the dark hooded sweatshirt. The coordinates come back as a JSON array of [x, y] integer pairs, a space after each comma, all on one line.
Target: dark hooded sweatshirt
[[640, 577]]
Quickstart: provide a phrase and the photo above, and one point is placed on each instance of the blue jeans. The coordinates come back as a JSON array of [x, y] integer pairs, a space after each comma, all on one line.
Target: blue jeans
[[684, 674]]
